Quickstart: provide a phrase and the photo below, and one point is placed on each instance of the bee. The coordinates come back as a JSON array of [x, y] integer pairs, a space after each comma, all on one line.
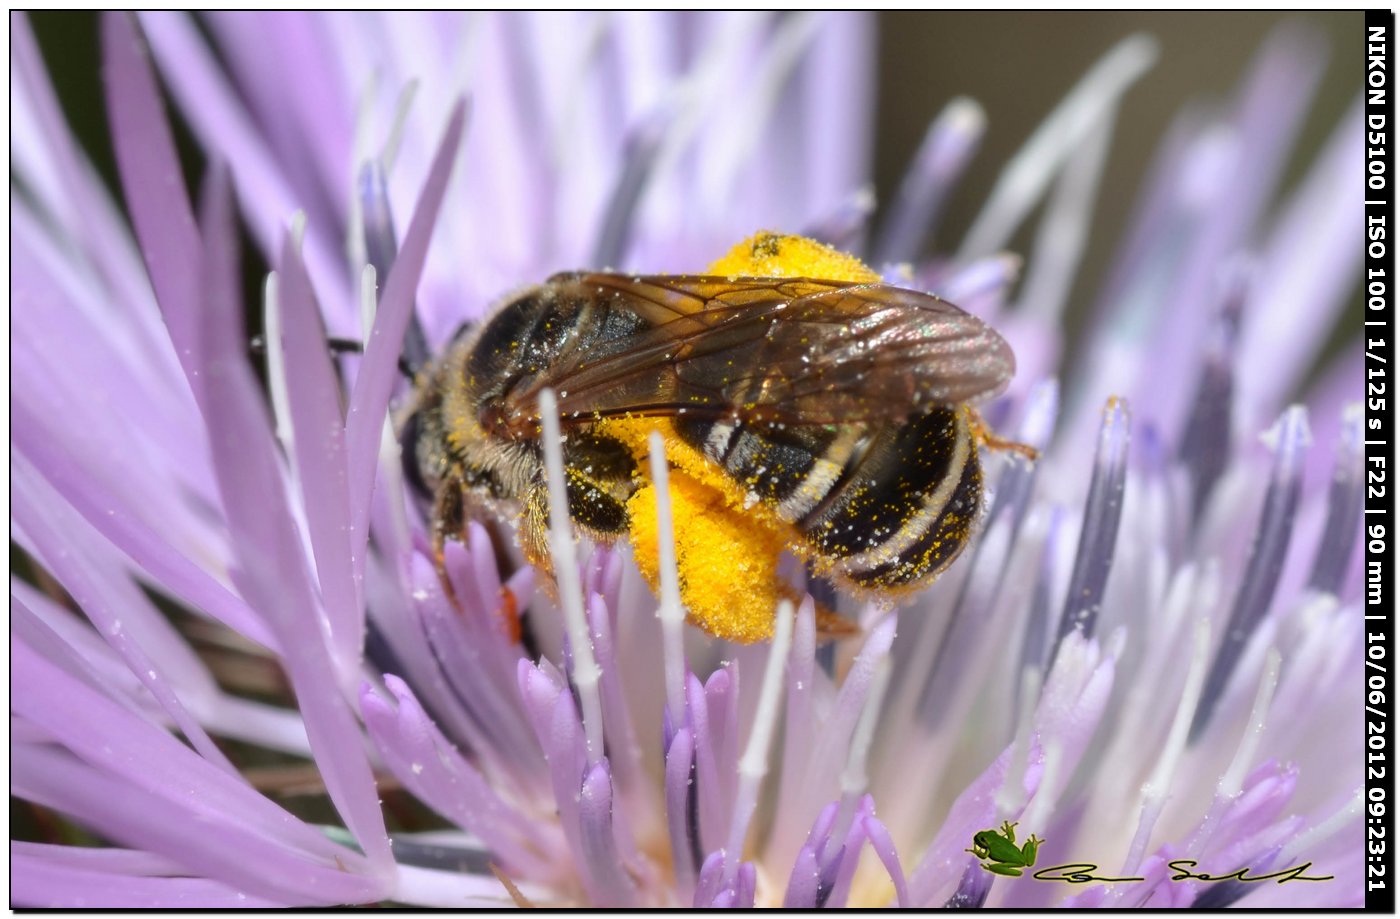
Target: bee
[[838, 410]]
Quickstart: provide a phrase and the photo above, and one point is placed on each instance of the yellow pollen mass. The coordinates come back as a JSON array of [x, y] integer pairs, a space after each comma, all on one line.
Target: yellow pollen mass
[[727, 546], [772, 255]]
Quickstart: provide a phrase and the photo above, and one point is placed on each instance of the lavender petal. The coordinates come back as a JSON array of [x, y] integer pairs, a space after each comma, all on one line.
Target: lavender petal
[[639, 162], [1102, 512], [947, 149], [319, 444], [428, 765], [1266, 557], [683, 810], [803, 881], [370, 398], [883, 844], [1342, 530], [106, 597], [272, 572], [1206, 440], [49, 883], [153, 181], [711, 877], [215, 114], [972, 890], [610, 887]]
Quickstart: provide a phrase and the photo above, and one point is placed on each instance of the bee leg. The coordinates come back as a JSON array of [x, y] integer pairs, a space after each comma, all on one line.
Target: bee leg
[[831, 625], [449, 522], [534, 538], [982, 433]]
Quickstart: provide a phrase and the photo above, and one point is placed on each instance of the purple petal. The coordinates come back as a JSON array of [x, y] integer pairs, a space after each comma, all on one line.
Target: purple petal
[[745, 885], [947, 148], [715, 807], [213, 111], [722, 704], [272, 572], [639, 161], [1341, 534], [1102, 511], [1205, 443], [58, 539], [430, 766], [477, 664], [683, 810], [112, 516], [837, 82], [310, 129], [883, 845], [1265, 119], [86, 211], [972, 890], [610, 887], [154, 184], [163, 797], [798, 731], [624, 753], [1312, 264], [711, 877], [379, 370], [313, 395], [842, 864], [1266, 558], [803, 881], [47, 881]]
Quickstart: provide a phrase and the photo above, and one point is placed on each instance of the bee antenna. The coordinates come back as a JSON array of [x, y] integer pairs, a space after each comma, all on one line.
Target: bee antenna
[[258, 345]]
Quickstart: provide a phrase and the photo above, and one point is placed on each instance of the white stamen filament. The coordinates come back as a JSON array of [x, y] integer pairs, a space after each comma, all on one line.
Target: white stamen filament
[[277, 364], [389, 449], [1064, 230], [1154, 790], [395, 139], [734, 147], [1344, 817], [856, 778], [297, 230], [1011, 796], [1233, 779], [670, 610], [585, 671], [1047, 794], [753, 765], [355, 245], [1058, 136], [369, 299]]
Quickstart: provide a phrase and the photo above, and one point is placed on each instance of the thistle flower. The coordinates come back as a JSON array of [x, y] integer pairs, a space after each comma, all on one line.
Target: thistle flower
[[1148, 655]]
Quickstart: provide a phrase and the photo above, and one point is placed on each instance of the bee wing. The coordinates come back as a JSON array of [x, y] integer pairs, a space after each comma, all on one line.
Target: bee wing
[[795, 351]]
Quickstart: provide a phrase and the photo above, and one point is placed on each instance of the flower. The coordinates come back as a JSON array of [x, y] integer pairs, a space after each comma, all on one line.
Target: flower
[[1146, 659]]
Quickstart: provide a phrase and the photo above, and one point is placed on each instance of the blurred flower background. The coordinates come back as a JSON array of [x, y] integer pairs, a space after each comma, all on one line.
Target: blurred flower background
[[236, 682]]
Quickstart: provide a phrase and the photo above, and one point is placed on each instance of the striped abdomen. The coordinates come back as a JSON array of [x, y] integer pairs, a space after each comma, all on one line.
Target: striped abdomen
[[887, 505]]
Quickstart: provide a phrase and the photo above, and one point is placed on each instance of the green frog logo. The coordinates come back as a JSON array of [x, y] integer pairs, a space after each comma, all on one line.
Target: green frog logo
[[999, 853]]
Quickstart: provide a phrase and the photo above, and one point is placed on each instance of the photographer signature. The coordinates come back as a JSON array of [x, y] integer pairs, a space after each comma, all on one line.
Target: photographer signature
[[1081, 873], [1000, 855]]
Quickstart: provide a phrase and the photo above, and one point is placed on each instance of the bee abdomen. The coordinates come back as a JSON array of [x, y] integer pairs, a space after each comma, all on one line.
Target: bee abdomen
[[885, 506], [775, 465], [904, 510]]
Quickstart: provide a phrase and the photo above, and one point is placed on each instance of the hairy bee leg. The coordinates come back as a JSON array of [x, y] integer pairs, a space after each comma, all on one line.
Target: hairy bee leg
[[521, 901], [449, 521], [534, 537], [984, 437], [831, 625]]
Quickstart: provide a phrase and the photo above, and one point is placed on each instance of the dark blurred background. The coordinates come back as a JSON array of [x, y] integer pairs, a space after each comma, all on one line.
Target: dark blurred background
[[1017, 65], [1020, 65]]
